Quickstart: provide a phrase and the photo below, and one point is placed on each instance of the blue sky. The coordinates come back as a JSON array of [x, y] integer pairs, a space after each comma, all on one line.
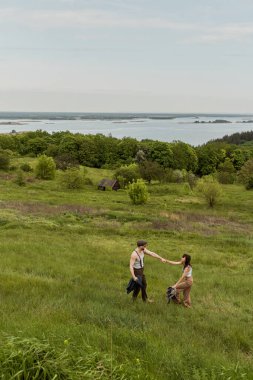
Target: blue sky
[[126, 56]]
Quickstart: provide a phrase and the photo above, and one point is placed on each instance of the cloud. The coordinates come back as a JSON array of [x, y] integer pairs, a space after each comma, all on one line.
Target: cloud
[[102, 19], [231, 32], [86, 19]]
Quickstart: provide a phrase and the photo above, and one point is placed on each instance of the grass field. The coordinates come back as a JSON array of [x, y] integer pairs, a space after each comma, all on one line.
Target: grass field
[[64, 266]]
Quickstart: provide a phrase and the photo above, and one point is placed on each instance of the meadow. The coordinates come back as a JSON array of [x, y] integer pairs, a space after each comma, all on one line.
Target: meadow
[[64, 267]]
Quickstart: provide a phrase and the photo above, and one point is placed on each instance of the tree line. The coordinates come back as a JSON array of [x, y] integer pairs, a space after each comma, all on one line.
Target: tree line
[[155, 159]]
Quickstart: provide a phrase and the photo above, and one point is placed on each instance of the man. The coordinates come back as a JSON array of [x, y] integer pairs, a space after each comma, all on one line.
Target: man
[[137, 268]]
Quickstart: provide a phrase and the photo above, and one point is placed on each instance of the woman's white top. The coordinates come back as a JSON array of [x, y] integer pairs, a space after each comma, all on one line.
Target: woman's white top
[[188, 274]]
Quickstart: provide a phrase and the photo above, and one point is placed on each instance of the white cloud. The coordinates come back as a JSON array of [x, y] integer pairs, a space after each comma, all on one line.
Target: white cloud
[[86, 18], [231, 32]]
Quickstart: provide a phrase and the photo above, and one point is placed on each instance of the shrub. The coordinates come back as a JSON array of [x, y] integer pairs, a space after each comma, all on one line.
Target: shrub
[[72, 178], [4, 161], [127, 174], [65, 161], [246, 174], [150, 170], [88, 181], [26, 167], [20, 180], [178, 176], [210, 189], [226, 172], [138, 192], [191, 179], [45, 168]]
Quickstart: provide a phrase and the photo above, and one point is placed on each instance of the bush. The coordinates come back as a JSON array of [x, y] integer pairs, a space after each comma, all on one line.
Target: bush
[[210, 189], [45, 168], [138, 192], [4, 161], [26, 167], [150, 170], [127, 174], [246, 174], [20, 180], [226, 172], [65, 161], [88, 181], [191, 179], [178, 176], [72, 178]]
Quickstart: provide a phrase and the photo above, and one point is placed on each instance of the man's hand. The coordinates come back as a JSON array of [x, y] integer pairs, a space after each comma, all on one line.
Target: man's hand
[[163, 260], [135, 279]]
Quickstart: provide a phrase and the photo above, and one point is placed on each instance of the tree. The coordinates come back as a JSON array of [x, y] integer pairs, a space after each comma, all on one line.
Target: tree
[[246, 174], [226, 172], [184, 157], [72, 178], [127, 149], [150, 170], [209, 157], [138, 192], [65, 161], [127, 174], [45, 168], [239, 157], [210, 189], [160, 152], [37, 146]]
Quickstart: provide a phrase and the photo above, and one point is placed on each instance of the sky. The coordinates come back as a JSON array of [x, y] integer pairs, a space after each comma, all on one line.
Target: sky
[[126, 55]]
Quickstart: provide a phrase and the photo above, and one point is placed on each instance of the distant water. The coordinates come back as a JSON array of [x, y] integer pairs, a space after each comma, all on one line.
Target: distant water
[[194, 129]]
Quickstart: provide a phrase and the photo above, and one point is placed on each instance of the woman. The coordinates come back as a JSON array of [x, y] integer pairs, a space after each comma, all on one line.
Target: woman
[[185, 282]]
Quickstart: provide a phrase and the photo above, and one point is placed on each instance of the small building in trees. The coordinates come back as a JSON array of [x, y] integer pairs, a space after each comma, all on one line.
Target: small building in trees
[[111, 183]]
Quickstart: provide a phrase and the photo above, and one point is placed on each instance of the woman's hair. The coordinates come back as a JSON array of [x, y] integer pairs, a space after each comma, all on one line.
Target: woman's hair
[[187, 260]]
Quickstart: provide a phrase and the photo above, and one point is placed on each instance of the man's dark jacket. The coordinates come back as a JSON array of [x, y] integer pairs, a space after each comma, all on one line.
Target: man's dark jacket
[[132, 285]]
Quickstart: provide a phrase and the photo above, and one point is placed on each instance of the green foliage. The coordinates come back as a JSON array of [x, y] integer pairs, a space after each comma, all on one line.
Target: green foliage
[[65, 161], [209, 157], [4, 161], [45, 168], [191, 179], [210, 189], [226, 172], [26, 167], [7, 142], [31, 359], [72, 178], [138, 192], [20, 180], [127, 174], [99, 151], [184, 157], [151, 170], [246, 174], [160, 152]]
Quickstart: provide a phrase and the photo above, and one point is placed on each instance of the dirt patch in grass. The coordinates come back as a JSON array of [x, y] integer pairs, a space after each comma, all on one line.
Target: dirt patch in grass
[[206, 224], [37, 208]]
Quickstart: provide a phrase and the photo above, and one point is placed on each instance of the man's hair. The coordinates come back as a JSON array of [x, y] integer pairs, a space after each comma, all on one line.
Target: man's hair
[[141, 243]]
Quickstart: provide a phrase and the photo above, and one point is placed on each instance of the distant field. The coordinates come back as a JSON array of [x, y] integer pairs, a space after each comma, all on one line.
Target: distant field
[[64, 266]]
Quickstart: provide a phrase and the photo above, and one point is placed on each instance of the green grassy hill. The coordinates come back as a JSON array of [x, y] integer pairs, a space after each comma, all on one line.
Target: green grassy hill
[[64, 266]]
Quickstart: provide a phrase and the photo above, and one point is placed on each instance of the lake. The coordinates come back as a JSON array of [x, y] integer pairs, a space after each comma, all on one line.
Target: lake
[[194, 129]]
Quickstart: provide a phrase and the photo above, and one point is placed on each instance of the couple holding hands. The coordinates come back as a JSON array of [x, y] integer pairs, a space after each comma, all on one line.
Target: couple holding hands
[[184, 284]]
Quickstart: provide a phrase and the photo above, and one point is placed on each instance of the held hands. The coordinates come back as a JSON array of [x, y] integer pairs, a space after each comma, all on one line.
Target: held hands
[[163, 260]]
